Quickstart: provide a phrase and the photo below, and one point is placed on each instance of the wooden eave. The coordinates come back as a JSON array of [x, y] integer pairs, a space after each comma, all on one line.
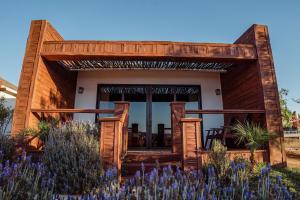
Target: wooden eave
[[147, 50]]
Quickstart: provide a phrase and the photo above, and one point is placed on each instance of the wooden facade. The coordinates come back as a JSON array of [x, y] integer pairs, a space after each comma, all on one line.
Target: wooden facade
[[48, 85]]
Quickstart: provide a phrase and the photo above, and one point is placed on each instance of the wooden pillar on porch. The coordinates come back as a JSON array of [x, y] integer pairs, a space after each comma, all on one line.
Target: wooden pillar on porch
[[121, 110], [112, 135], [191, 143], [177, 112]]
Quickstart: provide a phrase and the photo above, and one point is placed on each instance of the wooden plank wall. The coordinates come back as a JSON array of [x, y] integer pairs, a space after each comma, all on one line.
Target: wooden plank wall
[[253, 86], [177, 112], [191, 143], [41, 83]]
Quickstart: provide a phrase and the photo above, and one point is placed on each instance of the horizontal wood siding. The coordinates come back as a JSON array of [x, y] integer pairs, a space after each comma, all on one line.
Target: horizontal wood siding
[[42, 84], [23, 100], [191, 144], [177, 112], [253, 86]]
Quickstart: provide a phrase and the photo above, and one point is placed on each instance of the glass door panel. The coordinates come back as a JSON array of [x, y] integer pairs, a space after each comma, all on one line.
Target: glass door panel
[[137, 119], [161, 120], [106, 101]]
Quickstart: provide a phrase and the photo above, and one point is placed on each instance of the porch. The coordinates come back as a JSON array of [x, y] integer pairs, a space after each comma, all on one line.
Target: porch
[[186, 148]]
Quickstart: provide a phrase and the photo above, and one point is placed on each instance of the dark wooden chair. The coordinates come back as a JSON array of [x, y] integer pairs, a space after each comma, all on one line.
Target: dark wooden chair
[[134, 134], [213, 134], [160, 135]]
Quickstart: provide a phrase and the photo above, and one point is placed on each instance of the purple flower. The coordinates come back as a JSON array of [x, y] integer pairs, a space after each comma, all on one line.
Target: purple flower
[[142, 166]]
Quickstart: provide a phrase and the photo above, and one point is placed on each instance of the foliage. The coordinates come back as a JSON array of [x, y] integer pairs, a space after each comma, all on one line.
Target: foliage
[[290, 178], [168, 184], [88, 128], [25, 180], [7, 146], [218, 158], [6, 114], [72, 153], [252, 135], [286, 113]]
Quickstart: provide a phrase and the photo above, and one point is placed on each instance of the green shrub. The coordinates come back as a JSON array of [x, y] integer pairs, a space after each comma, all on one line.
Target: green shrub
[[218, 158], [6, 114], [7, 147], [72, 153]]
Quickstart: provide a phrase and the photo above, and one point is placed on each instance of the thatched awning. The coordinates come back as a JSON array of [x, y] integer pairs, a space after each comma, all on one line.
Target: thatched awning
[[83, 65], [127, 89]]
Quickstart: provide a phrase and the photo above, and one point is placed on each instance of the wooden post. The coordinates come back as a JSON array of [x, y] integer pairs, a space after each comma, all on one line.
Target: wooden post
[[256, 88], [122, 110], [191, 143], [177, 112], [114, 136], [109, 140]]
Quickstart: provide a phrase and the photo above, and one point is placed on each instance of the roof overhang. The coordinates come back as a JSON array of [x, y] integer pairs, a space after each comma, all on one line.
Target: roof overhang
[[97, 55]]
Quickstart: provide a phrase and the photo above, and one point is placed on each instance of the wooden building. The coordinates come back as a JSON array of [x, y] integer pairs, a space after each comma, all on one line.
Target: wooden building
[[153, 99]]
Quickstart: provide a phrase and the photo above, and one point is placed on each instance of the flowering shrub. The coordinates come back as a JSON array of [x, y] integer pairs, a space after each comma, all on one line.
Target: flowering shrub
[[72, 153], [25, 180], [169, 184]]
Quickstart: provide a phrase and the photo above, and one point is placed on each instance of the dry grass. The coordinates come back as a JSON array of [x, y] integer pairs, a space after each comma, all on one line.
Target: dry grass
[[292, 148]]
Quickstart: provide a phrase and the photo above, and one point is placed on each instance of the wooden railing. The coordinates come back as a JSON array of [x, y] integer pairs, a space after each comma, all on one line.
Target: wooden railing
[[39, 113], [114, 136], [72, 110], [187, 131], [225, 111]]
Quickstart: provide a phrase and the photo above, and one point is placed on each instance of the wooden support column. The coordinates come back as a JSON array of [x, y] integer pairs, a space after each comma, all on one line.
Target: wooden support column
[[113, 136], [177, 112], [254, 86], [191, 143], [109, 140], [122, 110], [271, 96]]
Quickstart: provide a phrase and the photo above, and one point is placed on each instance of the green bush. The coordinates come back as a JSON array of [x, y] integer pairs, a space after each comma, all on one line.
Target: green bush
[[7, 147], [6, 114], [72, 153], [218, 158]]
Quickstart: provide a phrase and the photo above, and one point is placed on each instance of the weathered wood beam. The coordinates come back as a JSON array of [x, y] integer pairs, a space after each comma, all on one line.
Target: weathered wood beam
[[76, 110], [177, 51], [225, 111]]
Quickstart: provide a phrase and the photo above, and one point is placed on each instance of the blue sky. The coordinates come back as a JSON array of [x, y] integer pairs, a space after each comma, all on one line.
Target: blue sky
[[195, 21]]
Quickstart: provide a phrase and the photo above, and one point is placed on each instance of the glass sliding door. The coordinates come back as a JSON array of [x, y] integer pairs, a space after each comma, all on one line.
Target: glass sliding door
[[137, 124], [161, 117], [149, 123]]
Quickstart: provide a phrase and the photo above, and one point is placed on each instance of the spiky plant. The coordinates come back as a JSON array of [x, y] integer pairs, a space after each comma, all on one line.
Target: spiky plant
[[252, 135]]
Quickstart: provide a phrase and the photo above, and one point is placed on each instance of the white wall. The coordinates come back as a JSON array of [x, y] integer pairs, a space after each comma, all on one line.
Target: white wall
[[208, 81]]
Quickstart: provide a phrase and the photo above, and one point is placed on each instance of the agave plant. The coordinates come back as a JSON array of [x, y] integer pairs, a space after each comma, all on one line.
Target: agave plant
[[252, 135]]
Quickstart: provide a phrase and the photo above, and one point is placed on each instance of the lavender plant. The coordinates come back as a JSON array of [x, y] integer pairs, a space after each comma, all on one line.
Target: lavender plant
[[24, 179], [191, 185], [72, 153]]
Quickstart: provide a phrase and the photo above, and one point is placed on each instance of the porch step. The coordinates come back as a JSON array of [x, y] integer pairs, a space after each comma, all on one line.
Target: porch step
[[151, 159]]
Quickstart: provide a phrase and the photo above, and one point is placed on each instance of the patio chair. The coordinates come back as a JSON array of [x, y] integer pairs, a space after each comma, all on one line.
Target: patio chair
[[213, 134]]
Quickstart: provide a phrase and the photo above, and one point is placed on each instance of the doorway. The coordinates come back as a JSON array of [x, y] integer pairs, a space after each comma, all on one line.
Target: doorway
[[149, 124]]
